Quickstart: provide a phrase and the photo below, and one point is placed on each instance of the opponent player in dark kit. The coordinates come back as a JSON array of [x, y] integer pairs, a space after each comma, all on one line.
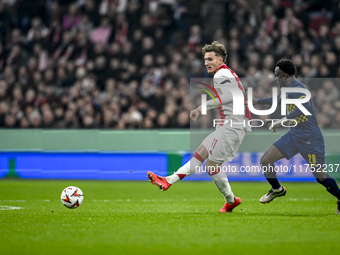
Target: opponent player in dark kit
[[304, 138]]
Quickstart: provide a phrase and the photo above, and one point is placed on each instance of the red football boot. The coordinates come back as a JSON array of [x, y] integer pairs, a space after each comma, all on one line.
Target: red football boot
[[228, 208], [159, 181]]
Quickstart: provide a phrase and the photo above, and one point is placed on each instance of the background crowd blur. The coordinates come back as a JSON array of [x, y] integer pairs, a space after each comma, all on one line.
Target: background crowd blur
[[125, 64]]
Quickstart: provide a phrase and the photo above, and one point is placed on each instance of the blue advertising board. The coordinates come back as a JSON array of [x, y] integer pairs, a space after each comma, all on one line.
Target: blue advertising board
[[133, 166]]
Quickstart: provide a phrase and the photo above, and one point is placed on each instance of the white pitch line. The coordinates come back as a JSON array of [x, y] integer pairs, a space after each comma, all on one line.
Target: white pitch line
[[6, 201], [7, 207], [193, 200], [22, 201]]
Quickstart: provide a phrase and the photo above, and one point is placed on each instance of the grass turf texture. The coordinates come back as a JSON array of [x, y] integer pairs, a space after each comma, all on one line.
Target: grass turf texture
[[137, 218]]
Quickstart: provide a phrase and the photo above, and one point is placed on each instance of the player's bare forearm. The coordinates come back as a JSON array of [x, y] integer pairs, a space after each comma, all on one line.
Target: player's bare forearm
[[194, 114]]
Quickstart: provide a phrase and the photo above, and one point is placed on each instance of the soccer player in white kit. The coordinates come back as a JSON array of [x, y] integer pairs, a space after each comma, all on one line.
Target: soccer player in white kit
[[222, 144]]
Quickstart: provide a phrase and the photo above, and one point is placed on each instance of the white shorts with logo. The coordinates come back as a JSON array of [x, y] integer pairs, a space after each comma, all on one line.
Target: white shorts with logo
[[223, 144]]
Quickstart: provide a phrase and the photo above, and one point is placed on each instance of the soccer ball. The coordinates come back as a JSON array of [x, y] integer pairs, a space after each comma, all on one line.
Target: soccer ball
[[72, 197]]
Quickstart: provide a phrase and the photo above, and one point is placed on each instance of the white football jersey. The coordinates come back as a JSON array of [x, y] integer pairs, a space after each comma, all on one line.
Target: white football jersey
[[226, 80]]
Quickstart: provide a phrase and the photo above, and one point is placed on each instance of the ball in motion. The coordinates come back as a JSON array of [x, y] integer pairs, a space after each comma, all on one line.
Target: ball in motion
[[72, 197]]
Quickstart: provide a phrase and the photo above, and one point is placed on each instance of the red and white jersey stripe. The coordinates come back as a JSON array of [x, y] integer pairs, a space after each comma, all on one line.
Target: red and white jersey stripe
[[225, 78]]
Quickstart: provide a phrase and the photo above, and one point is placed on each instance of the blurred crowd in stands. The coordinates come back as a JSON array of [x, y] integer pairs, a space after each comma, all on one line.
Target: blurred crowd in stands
[[126, 64]]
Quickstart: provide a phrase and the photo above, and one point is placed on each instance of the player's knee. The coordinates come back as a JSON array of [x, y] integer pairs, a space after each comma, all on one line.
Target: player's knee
[[320, 177], [320, 180], [265, 161]]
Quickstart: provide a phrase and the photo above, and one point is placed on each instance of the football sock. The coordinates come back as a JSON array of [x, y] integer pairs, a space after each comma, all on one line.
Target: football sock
[[221, 181], [189, 168], [331, 186], [278, 190], [270, 175]]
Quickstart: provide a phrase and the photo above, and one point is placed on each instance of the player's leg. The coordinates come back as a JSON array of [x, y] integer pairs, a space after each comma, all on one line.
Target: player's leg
[[220, 179], [282, 148], [196, 161], [328, 182], [315, 156], [190, 167], [272, 155], [223, 148]]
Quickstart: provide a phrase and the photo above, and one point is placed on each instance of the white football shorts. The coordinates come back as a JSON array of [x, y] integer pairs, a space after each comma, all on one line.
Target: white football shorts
[[223, 144]]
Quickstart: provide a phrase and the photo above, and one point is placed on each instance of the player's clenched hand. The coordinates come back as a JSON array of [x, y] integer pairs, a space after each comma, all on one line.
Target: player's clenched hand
[[272, 127], [277, 123], [194, 114]]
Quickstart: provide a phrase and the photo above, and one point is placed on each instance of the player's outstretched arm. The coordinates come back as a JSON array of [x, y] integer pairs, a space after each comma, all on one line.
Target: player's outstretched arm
[[267, 100], [226, 98]]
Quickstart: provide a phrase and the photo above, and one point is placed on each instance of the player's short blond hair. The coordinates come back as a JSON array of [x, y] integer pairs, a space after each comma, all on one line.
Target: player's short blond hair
[[216, 47]]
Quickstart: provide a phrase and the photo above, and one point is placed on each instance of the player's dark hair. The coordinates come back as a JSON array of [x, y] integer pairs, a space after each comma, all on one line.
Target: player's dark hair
[[287, 66], [216, 47]]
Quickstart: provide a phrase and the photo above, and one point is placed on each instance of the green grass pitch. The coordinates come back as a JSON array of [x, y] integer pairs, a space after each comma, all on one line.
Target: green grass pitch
[[125, 217]]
